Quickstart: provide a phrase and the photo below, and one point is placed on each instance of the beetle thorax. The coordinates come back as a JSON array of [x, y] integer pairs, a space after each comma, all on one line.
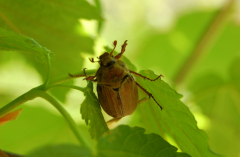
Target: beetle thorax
[[106, 60]]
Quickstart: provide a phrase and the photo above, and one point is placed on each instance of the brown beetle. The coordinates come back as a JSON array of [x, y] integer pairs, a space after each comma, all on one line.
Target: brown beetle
[[116, 87]]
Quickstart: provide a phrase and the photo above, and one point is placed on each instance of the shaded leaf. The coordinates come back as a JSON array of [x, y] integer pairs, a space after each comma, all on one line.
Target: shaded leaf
[[219, 99], [234, 70], [55, 25], [183, 155], [91, 113], [11, 41], [132, 142], [175, 117], [64, 150], [10, 116]]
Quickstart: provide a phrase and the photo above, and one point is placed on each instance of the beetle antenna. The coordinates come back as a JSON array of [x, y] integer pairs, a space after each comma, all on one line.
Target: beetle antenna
[[122, 51], [114, 44]]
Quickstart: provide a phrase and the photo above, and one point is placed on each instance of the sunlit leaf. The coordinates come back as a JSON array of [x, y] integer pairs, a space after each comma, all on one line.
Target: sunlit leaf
[[91, 113], [12, 41], [10, 116], [132, 142], [63, 150], [175, 117]]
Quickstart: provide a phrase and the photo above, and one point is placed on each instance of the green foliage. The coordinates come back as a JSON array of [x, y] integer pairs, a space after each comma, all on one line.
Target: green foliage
[[55, 25], [170, 50], [11, 41], [183, 155], [175, 117], [91, 113], [61, 151], [122, 141], [219, 99], [34, 129], [132, 142]]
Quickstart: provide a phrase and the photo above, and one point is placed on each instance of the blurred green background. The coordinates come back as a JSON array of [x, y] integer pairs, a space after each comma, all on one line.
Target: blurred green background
[[161, 34]]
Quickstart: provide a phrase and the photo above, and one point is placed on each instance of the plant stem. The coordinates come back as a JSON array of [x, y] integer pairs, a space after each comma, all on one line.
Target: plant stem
[[205, 41], [40, 93], [65, 114], [48, 71], [16, 102], [65, 86]]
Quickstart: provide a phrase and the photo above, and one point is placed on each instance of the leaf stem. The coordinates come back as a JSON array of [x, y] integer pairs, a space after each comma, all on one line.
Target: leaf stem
[[48, 70], [66, 115], [40, 93], [16, 102], [204, 43], [65, 86]]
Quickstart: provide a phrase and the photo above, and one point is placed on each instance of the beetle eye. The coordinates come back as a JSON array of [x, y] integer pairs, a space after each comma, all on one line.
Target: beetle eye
[[110, 63]]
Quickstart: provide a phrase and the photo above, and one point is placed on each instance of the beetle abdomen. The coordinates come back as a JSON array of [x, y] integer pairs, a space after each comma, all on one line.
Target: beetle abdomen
[[119, 102]]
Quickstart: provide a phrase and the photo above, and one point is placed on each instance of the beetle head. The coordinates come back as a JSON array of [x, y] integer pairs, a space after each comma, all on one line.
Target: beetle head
[[106, 60]]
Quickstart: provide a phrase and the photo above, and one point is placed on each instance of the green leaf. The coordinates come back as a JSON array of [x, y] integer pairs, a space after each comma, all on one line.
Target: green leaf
[[11, 41], [64, 150], [219, 99], [167, 51], [35, 127], [175, 117], [53, 24], [132, 142], [130, 65], [234, 70], [183, 155], [91, 113]]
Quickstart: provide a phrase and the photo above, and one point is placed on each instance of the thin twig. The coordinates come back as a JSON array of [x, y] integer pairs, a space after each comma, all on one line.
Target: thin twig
[[204, 43]]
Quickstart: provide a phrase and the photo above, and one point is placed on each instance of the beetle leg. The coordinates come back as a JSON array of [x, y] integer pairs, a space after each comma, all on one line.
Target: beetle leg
[[75, 75], [122, 51], [114, 44], [145, 76], [149, 94], [92, 60], [142, 101], [114, 120], [91, 78]]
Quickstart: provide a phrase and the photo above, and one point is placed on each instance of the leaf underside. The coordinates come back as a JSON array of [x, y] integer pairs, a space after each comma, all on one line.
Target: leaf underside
[[132, 142], [91, 113]]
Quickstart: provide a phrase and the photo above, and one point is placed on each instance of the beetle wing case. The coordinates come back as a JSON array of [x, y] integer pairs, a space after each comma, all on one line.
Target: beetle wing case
[[119, 102]]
